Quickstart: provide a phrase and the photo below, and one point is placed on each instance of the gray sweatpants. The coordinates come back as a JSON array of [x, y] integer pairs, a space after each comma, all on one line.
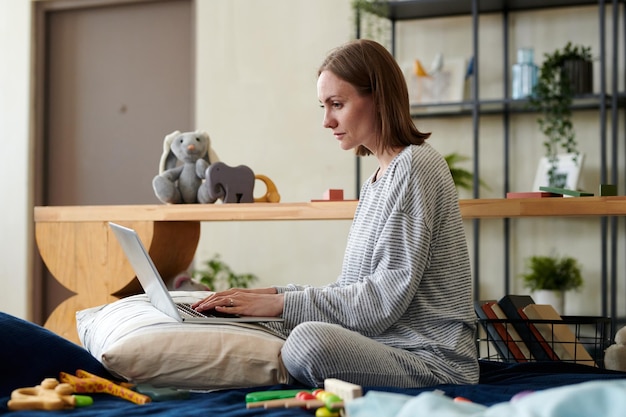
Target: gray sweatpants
[[315, 351]]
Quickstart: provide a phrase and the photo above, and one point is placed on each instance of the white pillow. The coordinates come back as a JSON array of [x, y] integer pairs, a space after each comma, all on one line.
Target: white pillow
[[135, 341]]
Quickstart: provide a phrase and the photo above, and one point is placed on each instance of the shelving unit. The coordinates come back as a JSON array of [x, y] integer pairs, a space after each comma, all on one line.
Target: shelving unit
[[77, 246], [607, 102]]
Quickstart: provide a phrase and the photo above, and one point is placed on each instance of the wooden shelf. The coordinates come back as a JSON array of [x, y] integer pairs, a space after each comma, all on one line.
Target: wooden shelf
[[336, 210], [76, 244], [543, 207]]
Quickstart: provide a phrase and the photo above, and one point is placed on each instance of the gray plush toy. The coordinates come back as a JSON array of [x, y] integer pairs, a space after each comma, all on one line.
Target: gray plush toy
[[184, 161]]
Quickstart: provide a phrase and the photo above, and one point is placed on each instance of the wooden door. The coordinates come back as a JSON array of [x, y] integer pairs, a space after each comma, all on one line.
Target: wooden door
[[115, 77]]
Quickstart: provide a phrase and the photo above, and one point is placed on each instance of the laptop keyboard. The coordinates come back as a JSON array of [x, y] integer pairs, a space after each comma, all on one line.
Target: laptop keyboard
[[186, 309]]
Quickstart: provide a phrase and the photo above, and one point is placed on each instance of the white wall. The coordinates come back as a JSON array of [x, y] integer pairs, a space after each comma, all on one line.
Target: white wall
[[256, 79], [256, 96], [15, 201]]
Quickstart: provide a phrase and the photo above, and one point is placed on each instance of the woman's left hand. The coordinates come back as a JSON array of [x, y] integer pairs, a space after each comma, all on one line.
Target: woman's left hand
[[243, 302]]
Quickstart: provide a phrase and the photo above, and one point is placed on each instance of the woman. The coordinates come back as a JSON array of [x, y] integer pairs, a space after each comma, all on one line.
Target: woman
[[400, 314]]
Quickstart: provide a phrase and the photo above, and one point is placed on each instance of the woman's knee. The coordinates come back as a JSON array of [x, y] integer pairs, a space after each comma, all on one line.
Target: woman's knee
[[307, 351]]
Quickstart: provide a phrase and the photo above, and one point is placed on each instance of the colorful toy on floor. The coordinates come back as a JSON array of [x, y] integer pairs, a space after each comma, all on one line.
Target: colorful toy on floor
[[84, 382], [320, 398], [326, 402], [49, 395]]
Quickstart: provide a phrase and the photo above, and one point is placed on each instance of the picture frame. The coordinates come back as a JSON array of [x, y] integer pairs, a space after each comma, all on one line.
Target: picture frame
[[567, 172]]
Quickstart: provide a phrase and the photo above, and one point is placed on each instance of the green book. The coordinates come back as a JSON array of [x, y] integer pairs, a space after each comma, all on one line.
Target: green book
[[565, 191]]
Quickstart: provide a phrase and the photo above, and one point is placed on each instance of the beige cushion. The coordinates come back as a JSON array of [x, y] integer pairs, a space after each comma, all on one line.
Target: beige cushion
[[136, 342]]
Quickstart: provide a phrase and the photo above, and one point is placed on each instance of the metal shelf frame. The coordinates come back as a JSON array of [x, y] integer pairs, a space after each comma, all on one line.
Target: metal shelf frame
[[607, 101]]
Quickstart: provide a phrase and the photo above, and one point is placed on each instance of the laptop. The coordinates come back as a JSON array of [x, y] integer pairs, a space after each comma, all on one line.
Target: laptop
[[157, 292]]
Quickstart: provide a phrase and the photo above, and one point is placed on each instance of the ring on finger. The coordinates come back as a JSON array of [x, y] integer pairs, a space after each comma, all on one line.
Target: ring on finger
[[231, 303]]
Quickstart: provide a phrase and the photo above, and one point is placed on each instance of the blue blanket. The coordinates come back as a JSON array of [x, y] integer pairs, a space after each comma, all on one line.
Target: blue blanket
[[30, 353]]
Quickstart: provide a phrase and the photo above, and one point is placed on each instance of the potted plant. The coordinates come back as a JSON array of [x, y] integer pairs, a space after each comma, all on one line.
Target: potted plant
[[463, 179], [563, 74], [548, 277], [369, 16], [217, 275]]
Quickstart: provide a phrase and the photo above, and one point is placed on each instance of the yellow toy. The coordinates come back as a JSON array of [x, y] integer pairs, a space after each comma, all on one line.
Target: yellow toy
[[50, 395], [86, 382]]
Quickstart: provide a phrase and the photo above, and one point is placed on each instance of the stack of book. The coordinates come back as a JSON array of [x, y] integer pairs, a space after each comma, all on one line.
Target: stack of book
[[522, 331]]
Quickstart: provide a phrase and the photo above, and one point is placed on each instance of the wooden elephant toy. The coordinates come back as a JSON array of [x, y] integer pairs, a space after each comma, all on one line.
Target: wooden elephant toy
[[235, 185], [230, 184]]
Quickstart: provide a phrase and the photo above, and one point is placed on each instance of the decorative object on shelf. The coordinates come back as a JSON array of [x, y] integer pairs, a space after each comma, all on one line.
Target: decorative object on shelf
[[443, 83], [565, 171], [271, 193], [524, 74], [463, 179], [184, 160], [229, 184], [549, 277], [370, 18], [190, 172], [234, 185], [559, 80], [217, 275]]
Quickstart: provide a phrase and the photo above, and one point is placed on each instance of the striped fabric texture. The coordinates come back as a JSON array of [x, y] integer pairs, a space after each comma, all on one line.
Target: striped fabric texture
[[400, 314]]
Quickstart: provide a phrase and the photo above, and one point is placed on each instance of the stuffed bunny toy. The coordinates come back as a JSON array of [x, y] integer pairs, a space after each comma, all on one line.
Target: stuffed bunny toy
[[615, 355], [184, 161]]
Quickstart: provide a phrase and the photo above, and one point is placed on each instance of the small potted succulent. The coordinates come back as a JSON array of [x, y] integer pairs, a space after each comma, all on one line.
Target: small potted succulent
[[549, 277]]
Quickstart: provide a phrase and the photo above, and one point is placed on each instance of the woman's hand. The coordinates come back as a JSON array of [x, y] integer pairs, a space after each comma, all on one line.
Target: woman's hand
[[245, 302]]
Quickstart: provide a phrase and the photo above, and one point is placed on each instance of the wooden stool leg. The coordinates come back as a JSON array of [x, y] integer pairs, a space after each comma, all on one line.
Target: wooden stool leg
[[86, 258]]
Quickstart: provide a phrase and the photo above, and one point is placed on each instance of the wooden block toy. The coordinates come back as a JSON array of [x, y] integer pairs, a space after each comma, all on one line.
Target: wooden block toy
[[332, 195], [607, 190], [344, 390], [271, 195]]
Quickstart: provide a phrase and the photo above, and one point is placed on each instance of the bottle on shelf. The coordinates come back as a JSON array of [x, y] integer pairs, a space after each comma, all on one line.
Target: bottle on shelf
[[524, 74]]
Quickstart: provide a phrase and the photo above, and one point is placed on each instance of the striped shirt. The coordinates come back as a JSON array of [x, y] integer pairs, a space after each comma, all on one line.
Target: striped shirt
[[406, 276]]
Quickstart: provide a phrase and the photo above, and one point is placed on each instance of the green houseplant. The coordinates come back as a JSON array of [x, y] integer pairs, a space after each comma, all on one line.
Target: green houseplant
[[564, 73], [217, 275], [463, 179], [369, 18], [548, 277]]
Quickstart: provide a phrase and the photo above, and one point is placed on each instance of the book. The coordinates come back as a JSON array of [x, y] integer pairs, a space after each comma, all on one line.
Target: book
[[496, 333], [513, 334], [507, 344], [565, 191], [559, 336], [532, 194], [511, 305], [542, 341]]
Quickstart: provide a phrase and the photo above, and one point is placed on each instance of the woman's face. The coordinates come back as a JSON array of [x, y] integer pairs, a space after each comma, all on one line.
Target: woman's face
[[350, 115]]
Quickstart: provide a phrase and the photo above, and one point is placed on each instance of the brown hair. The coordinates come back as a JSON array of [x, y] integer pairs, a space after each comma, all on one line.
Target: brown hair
[[372, 70]]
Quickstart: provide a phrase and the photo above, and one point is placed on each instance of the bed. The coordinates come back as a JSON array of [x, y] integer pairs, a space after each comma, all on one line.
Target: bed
[[31, 353]]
